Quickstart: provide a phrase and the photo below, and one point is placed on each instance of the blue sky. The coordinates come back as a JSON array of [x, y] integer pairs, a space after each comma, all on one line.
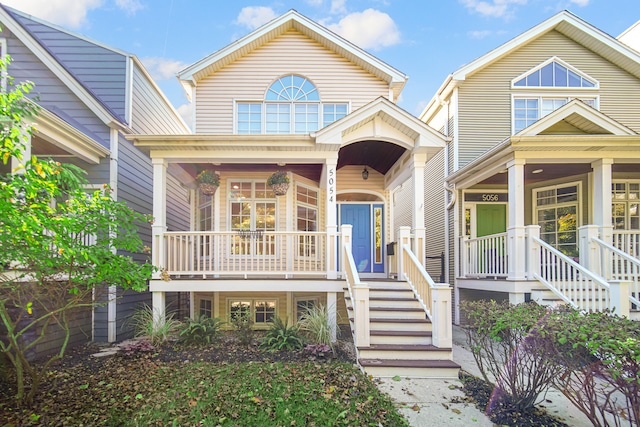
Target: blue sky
[[425, 39]]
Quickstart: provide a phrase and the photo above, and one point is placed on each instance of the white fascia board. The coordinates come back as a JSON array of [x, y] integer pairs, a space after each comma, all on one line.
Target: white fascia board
[[539, 30], [58, 70], [58, 132], [578, 107], [395, 76]]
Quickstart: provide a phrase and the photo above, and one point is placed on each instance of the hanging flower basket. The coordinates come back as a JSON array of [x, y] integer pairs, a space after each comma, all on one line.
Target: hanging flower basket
[[279, 182], [208, 189], [208, 181]]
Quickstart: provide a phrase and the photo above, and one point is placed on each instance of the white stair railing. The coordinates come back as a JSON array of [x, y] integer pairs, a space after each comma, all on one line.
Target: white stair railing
[[618, 265], [570, 281], [435, 298], [358, 291]]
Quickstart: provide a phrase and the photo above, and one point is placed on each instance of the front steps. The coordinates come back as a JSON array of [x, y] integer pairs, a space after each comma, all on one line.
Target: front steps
[[401, 343]]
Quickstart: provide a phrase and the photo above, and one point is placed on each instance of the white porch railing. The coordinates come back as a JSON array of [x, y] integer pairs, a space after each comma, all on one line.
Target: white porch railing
[[245, 252], [568, 280], [485, 256], [358, 291], [619, 265]]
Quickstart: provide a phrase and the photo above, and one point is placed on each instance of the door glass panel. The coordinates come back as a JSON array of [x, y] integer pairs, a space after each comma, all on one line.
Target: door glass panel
[[377, 215]]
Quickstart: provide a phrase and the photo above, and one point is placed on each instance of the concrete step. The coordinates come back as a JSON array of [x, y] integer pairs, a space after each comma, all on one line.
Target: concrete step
[[410, 368], [404, 352]]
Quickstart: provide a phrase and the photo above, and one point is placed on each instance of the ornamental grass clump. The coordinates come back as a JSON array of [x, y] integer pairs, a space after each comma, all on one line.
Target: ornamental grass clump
[[281, 336], [203, 330], [317, 325]]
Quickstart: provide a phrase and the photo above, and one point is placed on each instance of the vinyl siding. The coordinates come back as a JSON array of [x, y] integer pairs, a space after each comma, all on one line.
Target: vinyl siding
[[100, 70], [127, 304], [485, 97], [402, 202], [150, 113], [50, 93], [248, 78]]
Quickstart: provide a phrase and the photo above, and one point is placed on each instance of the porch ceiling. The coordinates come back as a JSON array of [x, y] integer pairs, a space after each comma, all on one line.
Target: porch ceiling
[[310, 171], [378, 155], [552, 171]]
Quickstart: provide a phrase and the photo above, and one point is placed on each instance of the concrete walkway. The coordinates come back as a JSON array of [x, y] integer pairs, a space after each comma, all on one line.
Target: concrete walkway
[[432, 402]]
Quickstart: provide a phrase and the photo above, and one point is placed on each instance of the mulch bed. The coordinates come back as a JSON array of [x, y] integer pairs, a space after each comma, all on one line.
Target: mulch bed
[[500, 410]]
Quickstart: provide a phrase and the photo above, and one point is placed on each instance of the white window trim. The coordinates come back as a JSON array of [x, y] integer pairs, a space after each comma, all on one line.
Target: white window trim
[[200, 298], [564, 64], [310, 206], [627, 200], [534, 202], [252, 306], [548, 94]]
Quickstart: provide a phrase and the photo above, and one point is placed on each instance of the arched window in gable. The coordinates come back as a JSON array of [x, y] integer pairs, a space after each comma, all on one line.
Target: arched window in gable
[[291, 105], [547, 87]]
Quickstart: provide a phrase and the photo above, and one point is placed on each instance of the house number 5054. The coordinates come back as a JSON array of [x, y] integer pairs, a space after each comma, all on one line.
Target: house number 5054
[[489, 197], [332, 184]]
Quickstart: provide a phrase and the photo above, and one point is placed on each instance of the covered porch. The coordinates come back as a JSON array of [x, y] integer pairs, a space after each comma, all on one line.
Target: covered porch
[[551, 214]]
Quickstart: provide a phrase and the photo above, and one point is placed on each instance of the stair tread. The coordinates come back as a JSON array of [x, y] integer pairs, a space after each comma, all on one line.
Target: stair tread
[[396, 320], [407, 363], [401, 333], [404, 347], [405, 309]]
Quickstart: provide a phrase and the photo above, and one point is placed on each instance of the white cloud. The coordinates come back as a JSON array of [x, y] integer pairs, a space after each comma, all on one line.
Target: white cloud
[[185, 112], [68, 13], [255, 16], [162, 68], [580, 3], [369, 29], [129, 6], [493, 8], [338, 6]]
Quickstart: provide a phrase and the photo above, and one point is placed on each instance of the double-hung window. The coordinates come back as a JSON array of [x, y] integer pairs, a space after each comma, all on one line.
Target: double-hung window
[[291, 106], [307, 219], [546, 88], [253, 215]]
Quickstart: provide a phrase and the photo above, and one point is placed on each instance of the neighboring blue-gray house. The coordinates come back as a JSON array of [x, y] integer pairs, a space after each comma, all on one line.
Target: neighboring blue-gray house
[[91, 96]]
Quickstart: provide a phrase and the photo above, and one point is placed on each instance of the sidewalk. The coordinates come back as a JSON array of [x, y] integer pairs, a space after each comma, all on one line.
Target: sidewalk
[[428, 402]]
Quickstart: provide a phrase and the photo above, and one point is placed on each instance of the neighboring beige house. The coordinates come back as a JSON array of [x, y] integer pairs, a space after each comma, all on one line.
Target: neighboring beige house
[[542, 173], [292, 96]]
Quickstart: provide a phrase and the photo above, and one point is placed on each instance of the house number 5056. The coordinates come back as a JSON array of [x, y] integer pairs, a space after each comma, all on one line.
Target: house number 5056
[[489, 197]]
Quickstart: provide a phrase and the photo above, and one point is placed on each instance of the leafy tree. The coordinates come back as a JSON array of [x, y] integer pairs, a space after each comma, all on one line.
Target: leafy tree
[[59, 246]]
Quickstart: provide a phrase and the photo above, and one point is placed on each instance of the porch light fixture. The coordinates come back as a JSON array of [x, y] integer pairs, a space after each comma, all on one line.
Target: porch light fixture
[[365, 173], [537, 171]]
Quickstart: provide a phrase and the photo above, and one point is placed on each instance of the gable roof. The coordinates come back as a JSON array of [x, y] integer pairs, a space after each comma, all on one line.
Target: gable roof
[[580, 116], [292, 19], [565, 23]]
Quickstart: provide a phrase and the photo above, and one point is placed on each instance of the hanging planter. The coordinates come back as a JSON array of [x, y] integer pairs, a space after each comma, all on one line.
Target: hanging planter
[[279, 182], [208, 181]]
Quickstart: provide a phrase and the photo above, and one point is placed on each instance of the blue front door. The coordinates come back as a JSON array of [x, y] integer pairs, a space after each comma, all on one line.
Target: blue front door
[[367, 246]]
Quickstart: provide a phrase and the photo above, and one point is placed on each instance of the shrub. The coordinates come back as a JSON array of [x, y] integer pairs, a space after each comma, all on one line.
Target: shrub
[[281, 336], [203, 330], [138, 347], [508, 345], [243, 327], [144, 325], [317, 325]]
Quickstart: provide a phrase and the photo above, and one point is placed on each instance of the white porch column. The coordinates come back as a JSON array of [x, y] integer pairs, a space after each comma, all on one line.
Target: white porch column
[[619, 297], [332, 303], [404, 238], [417, 215], [589, 250], [158, 304], [159, 226], [516, 231], [329, 183], [602, 198]]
